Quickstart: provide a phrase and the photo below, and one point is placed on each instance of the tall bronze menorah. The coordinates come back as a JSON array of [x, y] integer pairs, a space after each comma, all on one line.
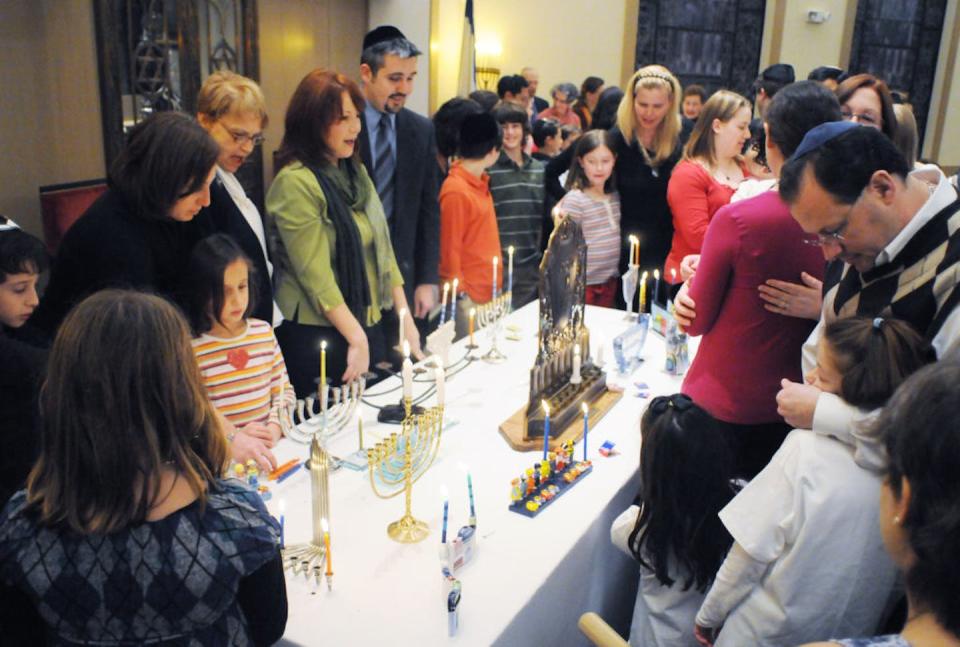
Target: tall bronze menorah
[[399, 461], [309, 557]]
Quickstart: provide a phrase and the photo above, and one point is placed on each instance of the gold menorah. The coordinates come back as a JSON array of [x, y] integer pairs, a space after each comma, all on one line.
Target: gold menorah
[[490, 315], [399, 461], [309, 557]]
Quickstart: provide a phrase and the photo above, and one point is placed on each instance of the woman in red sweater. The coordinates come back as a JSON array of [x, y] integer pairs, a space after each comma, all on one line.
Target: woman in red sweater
[[746, 349], [710, 172]]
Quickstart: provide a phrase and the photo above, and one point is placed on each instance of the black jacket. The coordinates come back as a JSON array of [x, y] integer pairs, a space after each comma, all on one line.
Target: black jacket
[[112, 246], [22, 367], [415, 224]]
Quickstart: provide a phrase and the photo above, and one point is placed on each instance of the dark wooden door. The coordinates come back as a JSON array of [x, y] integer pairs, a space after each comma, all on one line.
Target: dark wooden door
[[898, 41], [715, 43]]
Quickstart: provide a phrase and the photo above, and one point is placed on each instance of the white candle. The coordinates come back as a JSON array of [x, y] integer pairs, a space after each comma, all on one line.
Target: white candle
[[403, 316], [496, 260], [599, 359], [575, 374], [407, 371], [440, 377], [510, 269]]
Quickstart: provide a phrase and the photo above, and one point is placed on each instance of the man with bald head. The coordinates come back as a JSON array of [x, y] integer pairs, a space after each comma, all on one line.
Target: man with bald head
[[533, 80]]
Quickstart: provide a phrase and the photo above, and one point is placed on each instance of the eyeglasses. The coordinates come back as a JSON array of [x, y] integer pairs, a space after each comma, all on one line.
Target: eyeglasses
[[240, 137], [834, 236], [864, 118]]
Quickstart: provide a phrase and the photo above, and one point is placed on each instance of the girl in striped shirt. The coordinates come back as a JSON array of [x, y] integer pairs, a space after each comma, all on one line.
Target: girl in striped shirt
[[593, 203], [242, 366]]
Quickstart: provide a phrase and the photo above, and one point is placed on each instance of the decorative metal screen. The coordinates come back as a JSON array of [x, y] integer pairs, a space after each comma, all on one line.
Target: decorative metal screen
[[155, 54], [715, 43], [898, 41]]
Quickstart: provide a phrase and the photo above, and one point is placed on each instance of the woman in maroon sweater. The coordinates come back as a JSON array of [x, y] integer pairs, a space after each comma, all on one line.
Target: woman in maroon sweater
[[746, 350]]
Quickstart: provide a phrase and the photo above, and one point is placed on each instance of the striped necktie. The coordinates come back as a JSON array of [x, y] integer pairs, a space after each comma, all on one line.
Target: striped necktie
[[385, 166]]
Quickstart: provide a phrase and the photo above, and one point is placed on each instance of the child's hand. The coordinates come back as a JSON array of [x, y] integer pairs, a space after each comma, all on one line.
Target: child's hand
[[260, 431], [244, 448], [797, 403], [705, 635]]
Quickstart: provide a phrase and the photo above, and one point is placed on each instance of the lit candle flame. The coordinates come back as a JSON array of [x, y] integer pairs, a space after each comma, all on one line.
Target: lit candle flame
[[324, 525], [546, 407], [585, 408], [323, 345], [644, 275], [656, 274]]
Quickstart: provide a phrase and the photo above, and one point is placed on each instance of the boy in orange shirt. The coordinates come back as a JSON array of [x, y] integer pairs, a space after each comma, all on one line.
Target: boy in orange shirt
[[469, 239]]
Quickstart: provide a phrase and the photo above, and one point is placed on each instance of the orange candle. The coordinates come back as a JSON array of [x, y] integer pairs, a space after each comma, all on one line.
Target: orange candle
[[473, 314], [326, 545]]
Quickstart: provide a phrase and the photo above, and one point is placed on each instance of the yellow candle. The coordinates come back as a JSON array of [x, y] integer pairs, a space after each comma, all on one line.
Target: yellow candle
[[473, 314], [323, 364], [326, 545]]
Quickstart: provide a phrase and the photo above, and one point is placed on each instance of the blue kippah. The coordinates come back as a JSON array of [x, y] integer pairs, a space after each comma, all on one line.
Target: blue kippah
[[820, 135]]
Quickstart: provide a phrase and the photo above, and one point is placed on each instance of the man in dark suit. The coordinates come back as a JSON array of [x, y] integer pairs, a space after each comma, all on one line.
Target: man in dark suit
[[398, 148]]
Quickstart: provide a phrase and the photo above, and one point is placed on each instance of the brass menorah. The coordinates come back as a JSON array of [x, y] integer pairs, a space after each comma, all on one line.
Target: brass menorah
[[308, 558], [490, 315], [338, 405], [399, 461]]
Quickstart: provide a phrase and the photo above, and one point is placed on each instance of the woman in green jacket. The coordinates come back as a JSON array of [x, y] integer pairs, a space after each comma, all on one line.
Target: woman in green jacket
[[335, 264]]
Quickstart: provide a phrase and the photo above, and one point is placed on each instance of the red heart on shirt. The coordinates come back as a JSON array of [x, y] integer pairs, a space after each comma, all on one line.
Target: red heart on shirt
[[238, 358]]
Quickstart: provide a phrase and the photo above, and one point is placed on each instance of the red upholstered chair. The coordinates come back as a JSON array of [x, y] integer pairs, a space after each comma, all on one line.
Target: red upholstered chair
[[62, 204]]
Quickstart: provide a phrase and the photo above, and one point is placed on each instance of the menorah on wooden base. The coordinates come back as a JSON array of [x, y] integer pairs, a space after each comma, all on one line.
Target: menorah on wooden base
[[490, 315], [308, 558], [399, 461], [337, 410]]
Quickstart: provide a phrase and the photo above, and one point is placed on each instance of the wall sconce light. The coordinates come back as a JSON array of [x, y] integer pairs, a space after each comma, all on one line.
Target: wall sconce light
[[488, 52]]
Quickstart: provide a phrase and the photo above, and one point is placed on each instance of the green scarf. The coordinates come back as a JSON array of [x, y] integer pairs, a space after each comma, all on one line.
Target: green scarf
[[347, 186]]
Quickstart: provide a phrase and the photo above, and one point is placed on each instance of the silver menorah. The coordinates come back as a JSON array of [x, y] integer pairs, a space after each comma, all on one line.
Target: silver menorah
[[309, 557], [337, 408], [490, 315]]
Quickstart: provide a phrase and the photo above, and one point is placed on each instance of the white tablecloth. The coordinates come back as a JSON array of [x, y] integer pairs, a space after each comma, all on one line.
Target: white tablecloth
[[531, 578]]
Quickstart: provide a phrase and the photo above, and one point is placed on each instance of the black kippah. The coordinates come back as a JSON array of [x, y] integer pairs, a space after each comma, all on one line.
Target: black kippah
[[381, 34], [478, 129]]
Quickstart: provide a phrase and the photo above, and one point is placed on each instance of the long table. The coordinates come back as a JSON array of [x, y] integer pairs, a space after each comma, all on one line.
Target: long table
[[531, 578]]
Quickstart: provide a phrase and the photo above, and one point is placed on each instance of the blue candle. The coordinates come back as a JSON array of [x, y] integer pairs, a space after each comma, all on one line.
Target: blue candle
[[443, 533], [473, 512], [282, 505], [586, 427], [546, 429]]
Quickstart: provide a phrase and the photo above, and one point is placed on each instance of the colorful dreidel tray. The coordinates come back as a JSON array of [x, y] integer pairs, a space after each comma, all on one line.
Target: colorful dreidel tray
[[533, 501], [250, 474]]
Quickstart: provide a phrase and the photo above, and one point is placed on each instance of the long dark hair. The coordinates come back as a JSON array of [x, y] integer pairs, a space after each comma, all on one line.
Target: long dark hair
[[208, 263], [167, 157], [685, 469], [586, 144], [123, 401], [874, 356], [922, 438]]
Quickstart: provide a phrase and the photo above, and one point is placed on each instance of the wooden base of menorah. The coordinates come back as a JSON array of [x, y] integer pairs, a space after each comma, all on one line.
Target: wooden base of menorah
[[512, 429]]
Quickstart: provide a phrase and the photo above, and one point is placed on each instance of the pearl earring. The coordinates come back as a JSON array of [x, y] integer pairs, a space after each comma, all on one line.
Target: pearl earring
[[896, 520]]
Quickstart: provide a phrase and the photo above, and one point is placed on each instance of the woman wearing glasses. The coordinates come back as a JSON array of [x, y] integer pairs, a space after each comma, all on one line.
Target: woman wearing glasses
[[866, 100], [746, 243], [231, 109]]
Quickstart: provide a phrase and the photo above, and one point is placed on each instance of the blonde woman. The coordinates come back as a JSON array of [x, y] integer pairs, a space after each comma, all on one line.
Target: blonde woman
[[647, 142], [232, 110], [710, 172]]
